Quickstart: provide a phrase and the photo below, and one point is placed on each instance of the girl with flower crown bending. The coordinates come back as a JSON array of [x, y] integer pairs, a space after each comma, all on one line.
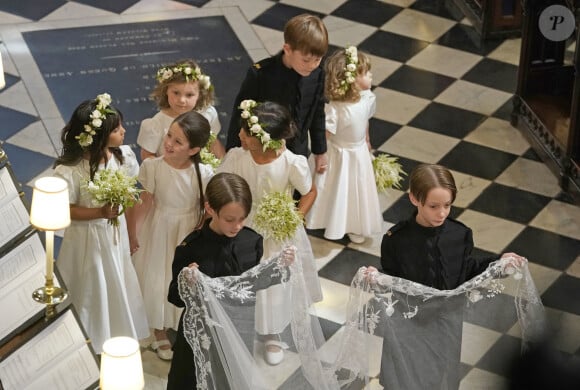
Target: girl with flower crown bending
[[181, 87], [348, 201], [173, 205], [95, 266], [269, 167]]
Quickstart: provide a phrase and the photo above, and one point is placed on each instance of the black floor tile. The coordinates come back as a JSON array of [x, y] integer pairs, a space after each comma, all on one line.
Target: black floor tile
[[329, 328], [117, 6], [532, 155], [380, 131], [438, 8], [372, 12], [466, 38], [494, 74], [563, 294], [276, 16], [26, 163], [505, 111], [31, 9], [400, 210], [195, 3], [392, 46], [504, 314], [10, 80], [501, 355], [545, 248], [13, 121], [447, 120], [509, 203], [346, 264], [477, 160], [319, 233], [417, 82]]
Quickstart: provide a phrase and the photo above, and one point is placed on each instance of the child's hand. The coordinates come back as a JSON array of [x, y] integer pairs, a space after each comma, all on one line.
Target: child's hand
[[517, 260], [371, 273], [110, 211], [288, 255], [190, 272], [133, 244]]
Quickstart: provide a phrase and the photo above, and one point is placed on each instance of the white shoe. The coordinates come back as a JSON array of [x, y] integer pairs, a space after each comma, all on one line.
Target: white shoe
[[164, 354], [274, 352], [355, 238]]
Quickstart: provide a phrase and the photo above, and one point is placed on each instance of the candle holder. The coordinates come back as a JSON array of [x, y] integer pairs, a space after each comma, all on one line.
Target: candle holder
[[50, 211]]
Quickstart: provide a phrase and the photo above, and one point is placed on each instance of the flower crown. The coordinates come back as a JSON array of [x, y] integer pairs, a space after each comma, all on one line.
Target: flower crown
[[190, 73], [350, 69], [96, 120], [256, 129]]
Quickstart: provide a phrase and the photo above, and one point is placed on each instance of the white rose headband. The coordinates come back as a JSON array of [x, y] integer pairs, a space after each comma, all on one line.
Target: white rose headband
[[96, 120], [350, 69], [190, 73], [255, 128]]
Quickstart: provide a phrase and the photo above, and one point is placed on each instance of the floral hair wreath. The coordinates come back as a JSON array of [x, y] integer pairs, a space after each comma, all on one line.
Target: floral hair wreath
[[190, 73], [256, 129], [350, 69], [96, 120]]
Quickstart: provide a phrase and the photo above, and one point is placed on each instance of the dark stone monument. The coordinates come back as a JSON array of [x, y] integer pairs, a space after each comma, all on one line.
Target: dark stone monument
[[122, 59]]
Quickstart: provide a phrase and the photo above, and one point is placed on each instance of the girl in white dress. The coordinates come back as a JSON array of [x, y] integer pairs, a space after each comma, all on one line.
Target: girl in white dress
[[173, 204], [348, 201], [96, 267], [268, 167], [181, 87]]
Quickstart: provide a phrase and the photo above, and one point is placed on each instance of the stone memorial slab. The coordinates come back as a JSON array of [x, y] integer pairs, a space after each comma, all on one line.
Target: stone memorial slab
[[122, 59]]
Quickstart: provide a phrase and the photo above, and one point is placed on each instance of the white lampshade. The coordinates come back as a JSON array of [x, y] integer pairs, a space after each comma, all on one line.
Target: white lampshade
[[121, 367], [50, 209]]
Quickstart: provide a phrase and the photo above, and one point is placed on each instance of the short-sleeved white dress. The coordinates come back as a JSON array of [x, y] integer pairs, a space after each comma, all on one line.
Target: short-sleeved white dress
[[347, 201], [153, 129], [174, 214], [288, 172], [98, 273]]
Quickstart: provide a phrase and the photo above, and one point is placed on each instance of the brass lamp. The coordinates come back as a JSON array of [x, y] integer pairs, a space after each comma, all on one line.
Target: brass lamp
[[121, 367], [50, 211]]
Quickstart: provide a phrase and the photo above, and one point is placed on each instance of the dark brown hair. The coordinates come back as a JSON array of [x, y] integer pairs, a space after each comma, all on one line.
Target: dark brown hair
[[425, 177], [72, 152], [275, 120], [226, 188]]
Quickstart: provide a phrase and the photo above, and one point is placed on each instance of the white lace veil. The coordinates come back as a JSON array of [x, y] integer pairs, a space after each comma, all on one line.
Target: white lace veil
[[219, 327], [427, 332]]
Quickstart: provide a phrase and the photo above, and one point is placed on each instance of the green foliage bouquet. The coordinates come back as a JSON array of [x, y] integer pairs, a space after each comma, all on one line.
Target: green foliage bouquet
[[277, 216], [114, 187], [207, 157], [388, 172]]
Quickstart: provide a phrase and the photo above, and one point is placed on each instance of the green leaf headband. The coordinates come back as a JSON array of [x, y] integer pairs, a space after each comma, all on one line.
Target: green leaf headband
[[96, 120], [190, 73], [255, 128], [350, 69]]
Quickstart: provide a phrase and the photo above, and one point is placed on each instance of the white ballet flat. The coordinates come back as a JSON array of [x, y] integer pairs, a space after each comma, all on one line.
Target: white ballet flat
[[355, 238], [163, 354], [274, 358]]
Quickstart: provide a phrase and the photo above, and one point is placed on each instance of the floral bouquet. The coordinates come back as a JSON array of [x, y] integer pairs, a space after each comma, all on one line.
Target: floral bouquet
[[115, 187], [388, 172], [208, 157], [277, 216]]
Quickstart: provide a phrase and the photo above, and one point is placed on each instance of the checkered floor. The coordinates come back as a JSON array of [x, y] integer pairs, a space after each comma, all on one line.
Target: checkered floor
[[443, 97]]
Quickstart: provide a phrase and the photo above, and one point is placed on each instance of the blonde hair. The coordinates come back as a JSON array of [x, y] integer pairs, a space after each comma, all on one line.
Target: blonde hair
[[335, 68], [425, 177], [159, 94], [307, 34]]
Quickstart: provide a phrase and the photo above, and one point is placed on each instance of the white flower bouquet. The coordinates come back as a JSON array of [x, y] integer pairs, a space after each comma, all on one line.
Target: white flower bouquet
[[277, 216], [114, 187], [388, 172], [207, 157]]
